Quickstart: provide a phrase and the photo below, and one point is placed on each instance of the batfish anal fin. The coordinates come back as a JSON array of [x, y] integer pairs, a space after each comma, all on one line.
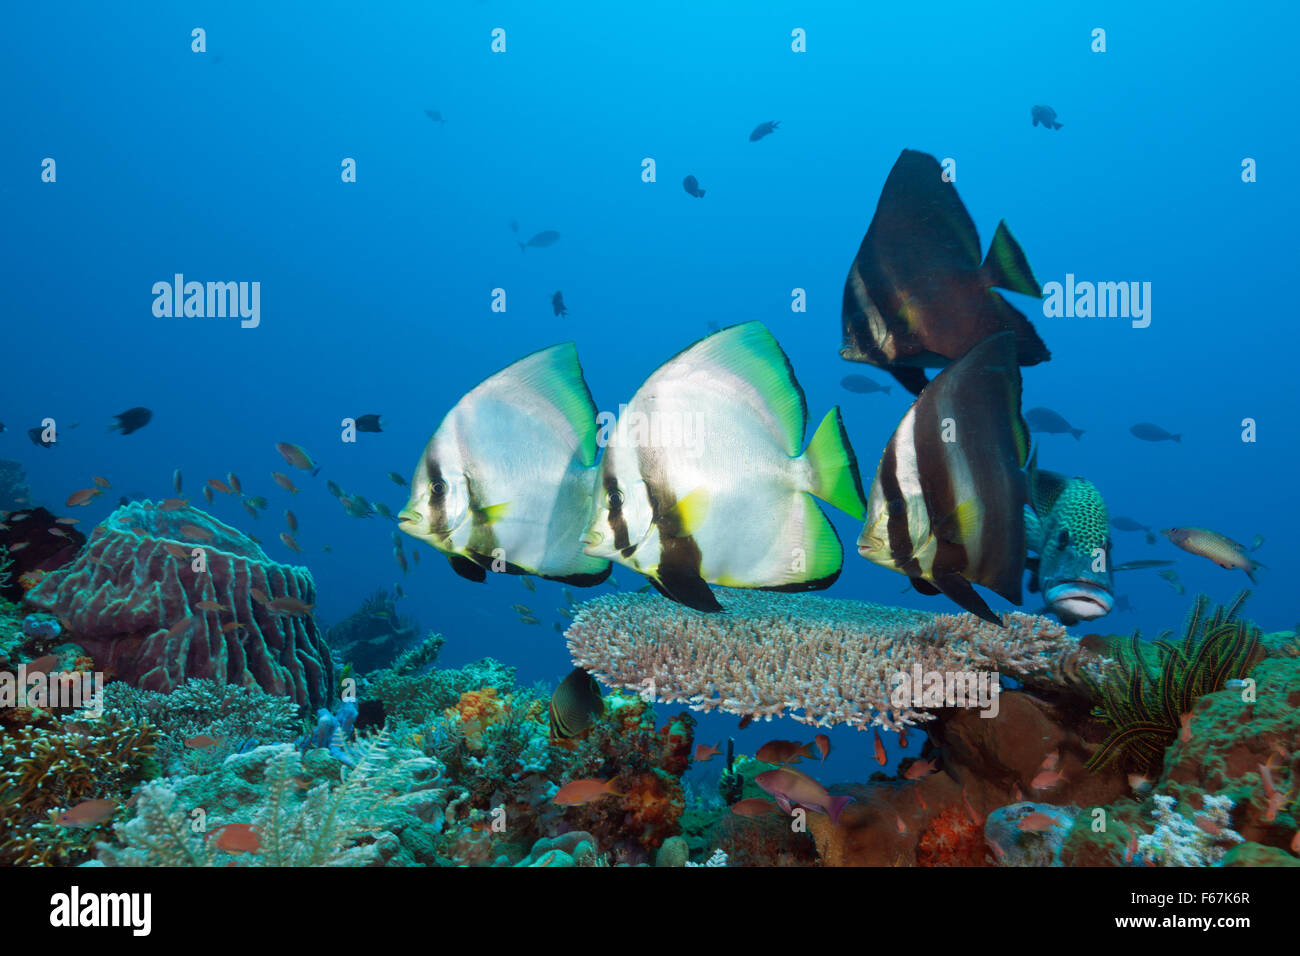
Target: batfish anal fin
[[958, 589], [686, 588], [912, 379], [466, 568], [924, 587]]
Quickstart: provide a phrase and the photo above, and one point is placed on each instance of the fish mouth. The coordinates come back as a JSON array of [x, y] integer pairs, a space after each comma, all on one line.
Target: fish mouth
[[1073, 601]]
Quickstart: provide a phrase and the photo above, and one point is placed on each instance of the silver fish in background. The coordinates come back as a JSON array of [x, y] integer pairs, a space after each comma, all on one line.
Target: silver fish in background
[[1223, 551], [703, 481], [505, 483], [764, 129], [547, 237], [692, 186], [1149, 432], [948, 501]]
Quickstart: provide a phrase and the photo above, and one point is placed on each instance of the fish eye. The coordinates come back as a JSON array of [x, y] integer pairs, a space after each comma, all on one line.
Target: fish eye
[[615, 498], [1063, 539], [438, 488]]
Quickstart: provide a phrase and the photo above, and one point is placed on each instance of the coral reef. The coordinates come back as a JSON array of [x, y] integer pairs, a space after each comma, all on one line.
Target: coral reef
[[385, 811], [162, 594], [818, 660], [35, 543], [54, 767], [231, 717], [14, 493], [374, 634], [1178, 841], [412, 691], [1028, 834], [1144, 700]]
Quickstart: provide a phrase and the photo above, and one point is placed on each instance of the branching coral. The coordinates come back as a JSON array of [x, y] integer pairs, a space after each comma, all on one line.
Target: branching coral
[[1146, 701], [232, 715], [300, 819], [1179, 841], [51, 768], [818, 660], [412, 693]]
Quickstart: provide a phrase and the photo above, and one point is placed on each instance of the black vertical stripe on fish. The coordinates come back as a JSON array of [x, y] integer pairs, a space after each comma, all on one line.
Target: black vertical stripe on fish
[[437, 495], [614, 502], [680, 561]]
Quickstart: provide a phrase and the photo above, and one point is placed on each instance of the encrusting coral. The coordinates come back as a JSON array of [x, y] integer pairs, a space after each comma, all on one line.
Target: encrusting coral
[[817, 660]]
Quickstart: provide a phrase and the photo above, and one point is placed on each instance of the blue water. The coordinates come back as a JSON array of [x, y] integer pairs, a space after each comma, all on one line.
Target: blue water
[[376, 295]]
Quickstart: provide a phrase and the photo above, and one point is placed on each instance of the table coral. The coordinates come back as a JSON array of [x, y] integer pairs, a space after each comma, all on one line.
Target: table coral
[[817, 660], [130, 591]]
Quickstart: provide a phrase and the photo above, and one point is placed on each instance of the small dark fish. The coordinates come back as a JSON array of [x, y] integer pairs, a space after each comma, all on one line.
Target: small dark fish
[[692, 186], [862, 385], [1050, 422], [576, 705], [527, 582], [547, 237], [435, 116], [1045, 115], [334, 489], [557, 304], [1148, 432], [35, 435], [1141, 565], [176, 480], [369, 423], [397, 479], [131, 420], [514, 225], [1122, 523], [764, 129]]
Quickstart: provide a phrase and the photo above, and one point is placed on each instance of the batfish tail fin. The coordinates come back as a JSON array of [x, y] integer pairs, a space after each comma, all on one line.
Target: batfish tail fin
[[1006, 266], [835, 476]]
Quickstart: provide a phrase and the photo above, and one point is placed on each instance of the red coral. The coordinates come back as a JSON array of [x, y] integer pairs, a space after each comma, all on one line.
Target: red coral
[[952, 839]]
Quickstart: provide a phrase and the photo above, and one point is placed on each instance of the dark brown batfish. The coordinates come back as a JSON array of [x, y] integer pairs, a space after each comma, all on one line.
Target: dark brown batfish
[[917, 295]]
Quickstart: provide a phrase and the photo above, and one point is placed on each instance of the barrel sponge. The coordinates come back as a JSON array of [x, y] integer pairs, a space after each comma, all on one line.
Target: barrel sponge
[[147, 568]]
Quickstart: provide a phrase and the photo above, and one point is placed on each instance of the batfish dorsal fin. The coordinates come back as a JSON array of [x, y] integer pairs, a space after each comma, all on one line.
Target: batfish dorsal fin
[[751, 353], [555, 374]]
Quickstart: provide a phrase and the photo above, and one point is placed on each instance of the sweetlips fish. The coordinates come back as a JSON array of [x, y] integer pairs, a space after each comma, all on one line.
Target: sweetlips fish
[[506, 482], [1067, 535], [703, 481]]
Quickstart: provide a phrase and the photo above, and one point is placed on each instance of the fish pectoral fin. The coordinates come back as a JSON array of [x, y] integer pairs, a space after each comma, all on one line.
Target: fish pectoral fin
[[466, 568], [685, 588], [494, 513], [688, 514], [963, 524], [958, 589]]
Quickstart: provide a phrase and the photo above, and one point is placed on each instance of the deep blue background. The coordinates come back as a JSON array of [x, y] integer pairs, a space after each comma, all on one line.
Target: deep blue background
[[375, 295]]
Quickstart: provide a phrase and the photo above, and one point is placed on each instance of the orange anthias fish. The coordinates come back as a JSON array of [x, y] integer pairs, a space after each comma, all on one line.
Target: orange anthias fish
[[237, 838], [703, 753], [219, 485], [101, 482], [292, 606], [211, 606], [289, 543], [259, 596], [581, 792], [295, 456], [232, 626], [173, 504], [42, 665], [754, 807], [1047, 779], [1037, 822], [823, 744], [233, 480], [82, 497], [284, 482], [207, 493], [87, 814], [291, 520], [180, 627], [918, 768], [202, 742], [881, 758], [194, 531], [783, 751]]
